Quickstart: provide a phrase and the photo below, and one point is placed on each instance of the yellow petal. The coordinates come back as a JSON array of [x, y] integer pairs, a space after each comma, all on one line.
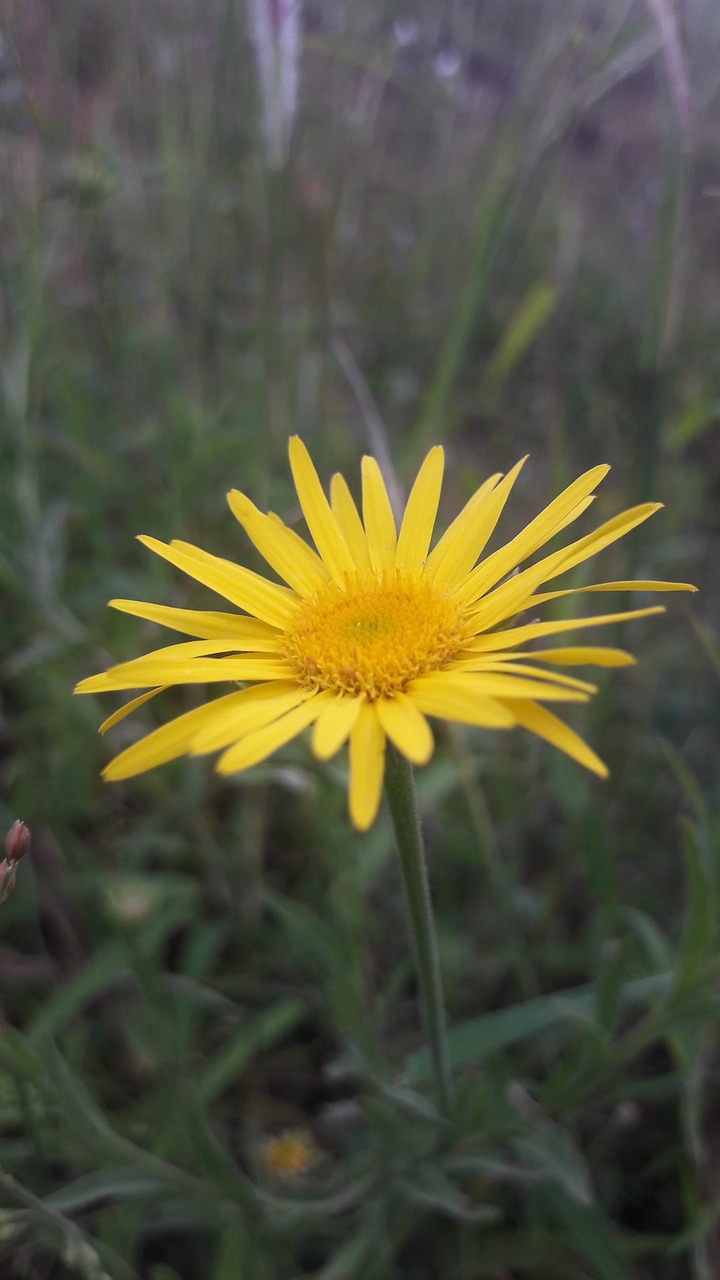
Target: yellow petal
[[518, 592], [540, 721], [367, 767], [349, 522], [302, 549], [333, 726], [505, 600], [319, 518], [253, 708], [378, 517], [524, 669], [518, 635], [406, 727], [298, 565], [509, 599], [599, 539], [166, 743], [642, 585], [581, 655], [128, 708], [456, 697], [625, 585], [184, 651], [509, 686], [144, 672], [263, 599], [459, 548], [573, 514], [248, 633], [263, 742], [420, 513], [534, 535]]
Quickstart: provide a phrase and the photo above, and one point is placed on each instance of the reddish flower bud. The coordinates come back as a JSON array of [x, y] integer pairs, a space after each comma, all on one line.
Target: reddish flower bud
[[17, 841]]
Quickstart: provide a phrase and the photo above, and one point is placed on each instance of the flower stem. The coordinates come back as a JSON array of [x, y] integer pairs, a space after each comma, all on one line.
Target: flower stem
[[400, 790]]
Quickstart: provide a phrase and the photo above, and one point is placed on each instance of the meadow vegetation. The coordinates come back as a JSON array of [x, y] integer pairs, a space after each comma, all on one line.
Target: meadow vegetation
[[497, 229]]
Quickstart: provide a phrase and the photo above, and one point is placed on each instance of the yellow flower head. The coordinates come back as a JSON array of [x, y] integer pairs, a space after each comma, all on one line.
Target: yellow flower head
[[289, 1155], [374, 632]]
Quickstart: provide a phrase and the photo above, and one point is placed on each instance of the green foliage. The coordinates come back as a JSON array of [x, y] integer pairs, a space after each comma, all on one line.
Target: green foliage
[[517, 255]]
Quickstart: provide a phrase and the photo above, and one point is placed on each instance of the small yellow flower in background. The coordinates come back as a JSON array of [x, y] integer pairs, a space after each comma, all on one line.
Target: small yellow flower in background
[[374, 632], [289, 1155]]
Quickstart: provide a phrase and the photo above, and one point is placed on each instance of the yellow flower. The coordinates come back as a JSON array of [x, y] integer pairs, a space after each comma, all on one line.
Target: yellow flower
[[374, 632], [289, 1155]]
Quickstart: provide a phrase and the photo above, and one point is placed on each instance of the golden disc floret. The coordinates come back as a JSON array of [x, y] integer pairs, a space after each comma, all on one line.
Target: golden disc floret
[[375, 636]]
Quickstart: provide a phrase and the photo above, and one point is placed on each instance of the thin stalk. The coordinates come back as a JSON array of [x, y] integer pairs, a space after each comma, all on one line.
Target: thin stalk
[[400, 790]]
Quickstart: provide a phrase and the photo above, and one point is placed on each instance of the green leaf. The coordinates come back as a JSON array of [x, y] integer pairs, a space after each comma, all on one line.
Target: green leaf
[[589, 1231], [477, 1039], [526, 322], [259, 1034], [692, 421], [108, 968], [17, 1057], [235, 1256], [350, 1260], [432, 1189], [609, 987], [698, 934], [213, 1159], [314, 935], [120, 1183], [554, 1154]]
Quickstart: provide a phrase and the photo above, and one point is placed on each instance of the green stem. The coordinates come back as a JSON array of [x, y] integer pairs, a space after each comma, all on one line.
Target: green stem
[[400, 790]]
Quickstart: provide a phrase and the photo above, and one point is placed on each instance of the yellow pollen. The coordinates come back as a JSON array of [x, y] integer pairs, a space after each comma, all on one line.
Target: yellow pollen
[[375, 635]]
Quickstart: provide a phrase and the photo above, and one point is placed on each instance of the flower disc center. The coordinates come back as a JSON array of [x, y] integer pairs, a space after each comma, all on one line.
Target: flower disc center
[[376, 635]]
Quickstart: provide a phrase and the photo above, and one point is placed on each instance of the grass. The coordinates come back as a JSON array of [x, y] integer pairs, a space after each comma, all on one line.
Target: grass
[[517, 258]]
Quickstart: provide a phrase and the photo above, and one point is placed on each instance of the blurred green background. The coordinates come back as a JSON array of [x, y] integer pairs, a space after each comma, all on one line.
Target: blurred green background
[[495, 226]]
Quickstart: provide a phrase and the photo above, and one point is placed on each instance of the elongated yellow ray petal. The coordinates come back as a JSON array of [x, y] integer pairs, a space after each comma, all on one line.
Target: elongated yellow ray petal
[[367, 767], [579, 655], [506, 599], [420, 513], [482, 664], [534, 535], [456, 697], [334, 725], [516, 593], [600, 538], [406, 727], [533, 630], [166, 743], [300, 546], [128, 708], [289, 556], [258, 706], [263, 599], [349, 522], [183, 652], [378, 517], [541, 721], [625, 585], [503, 687], [465, 540], [574, 514], [144, 672], [263, 742], [245, 632], [323, 526]]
